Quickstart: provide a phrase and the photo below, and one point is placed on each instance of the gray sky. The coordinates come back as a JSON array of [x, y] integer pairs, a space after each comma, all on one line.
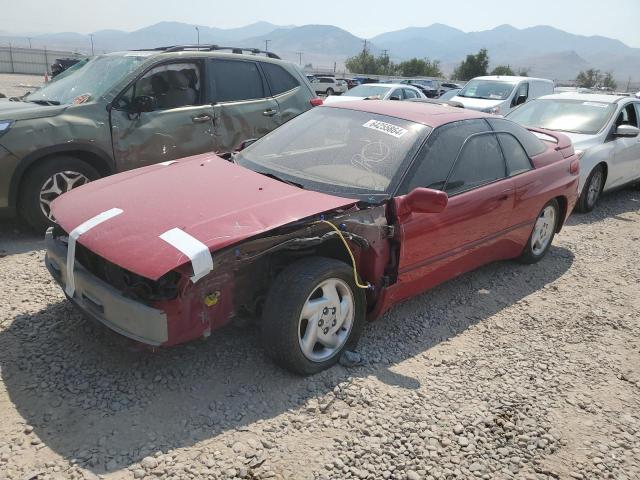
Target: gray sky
[[611, 18]]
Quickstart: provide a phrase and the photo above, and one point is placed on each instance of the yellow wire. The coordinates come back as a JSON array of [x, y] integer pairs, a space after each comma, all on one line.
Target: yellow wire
[[346, 245]]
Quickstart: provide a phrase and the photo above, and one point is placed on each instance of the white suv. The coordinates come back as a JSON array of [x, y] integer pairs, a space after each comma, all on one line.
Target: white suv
[[328, 86]]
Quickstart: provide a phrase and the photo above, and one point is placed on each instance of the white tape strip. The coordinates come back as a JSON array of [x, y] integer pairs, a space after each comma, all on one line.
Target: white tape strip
[[70, 288], [168, 162], [193, 248]]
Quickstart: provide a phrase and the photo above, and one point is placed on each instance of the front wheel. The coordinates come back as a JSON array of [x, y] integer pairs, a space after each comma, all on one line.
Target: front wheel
[[313, 313], [329, 92], [542, 235], [46, 182], [591, 190]]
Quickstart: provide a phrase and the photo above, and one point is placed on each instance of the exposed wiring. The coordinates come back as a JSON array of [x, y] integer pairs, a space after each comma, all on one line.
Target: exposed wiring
[[346, 245]]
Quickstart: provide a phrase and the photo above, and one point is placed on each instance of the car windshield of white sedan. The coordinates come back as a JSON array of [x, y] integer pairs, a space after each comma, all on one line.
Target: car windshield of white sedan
[[573, 116], [367, 91], [487, 90], [339, 151]]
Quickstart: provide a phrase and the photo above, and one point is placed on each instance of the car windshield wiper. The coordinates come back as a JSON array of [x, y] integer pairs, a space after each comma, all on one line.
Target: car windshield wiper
[[280, 179], [44, 102]]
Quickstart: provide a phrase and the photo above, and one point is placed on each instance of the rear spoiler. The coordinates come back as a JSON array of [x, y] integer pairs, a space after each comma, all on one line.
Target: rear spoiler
[[563, 143]]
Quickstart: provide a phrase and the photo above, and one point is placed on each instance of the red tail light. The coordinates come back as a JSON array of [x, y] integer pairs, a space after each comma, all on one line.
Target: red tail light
[[574, 167], [316, 102]]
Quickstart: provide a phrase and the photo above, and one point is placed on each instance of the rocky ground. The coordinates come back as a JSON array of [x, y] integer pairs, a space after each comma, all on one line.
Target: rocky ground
[[511, 371]]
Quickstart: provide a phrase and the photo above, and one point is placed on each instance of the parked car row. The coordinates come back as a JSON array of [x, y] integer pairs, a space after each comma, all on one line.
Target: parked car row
[[310, 220]]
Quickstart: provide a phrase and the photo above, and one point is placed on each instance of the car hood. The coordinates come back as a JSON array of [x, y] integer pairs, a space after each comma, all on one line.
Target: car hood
[[340, 98], [27, 110], [476, 103], [215, 201], [581, 141]]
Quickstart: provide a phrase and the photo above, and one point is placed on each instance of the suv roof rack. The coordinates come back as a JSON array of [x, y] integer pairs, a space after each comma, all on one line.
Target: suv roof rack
[[210, 48]]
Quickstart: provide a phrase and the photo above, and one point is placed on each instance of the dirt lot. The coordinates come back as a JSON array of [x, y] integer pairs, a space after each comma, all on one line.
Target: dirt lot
[[17, 85], [511, 371]]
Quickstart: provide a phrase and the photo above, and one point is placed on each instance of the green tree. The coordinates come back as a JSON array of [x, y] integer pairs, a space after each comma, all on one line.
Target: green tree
[[502, 70], [364, 62], [608, 81], [420, 68], [589, 78], [473, 66]]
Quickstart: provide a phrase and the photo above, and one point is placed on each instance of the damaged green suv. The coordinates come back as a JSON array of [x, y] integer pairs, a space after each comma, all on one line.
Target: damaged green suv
[[129, 109]]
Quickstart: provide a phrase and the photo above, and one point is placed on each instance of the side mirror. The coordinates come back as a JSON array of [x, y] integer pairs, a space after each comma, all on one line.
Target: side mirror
[[144, 103], [394, 97], [520, 99], [423, 200], [245, 144], [627, 131]]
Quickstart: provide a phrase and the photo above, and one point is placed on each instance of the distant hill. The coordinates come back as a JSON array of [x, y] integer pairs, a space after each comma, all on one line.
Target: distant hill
[[544, 50]]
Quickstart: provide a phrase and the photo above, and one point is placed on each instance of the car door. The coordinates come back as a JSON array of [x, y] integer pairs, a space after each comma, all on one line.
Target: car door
[[624, 165], [465, 160], [243, 107], [291, 96], [177, 121]]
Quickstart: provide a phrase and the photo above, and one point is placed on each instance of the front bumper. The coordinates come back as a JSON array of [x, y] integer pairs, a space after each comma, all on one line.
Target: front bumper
[[104, 303]]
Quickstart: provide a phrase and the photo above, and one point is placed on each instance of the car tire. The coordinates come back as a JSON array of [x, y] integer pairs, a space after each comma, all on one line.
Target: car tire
[[591, 190], [59, 173], [542, 234], [329, 92], [337, 321]]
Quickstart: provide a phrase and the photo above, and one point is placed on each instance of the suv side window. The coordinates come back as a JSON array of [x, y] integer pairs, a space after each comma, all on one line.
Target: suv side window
[[480, 162], [517, 159], [279, 79], [434, 161], [627, 116], [236, 80], [532, 144], [173, 85]]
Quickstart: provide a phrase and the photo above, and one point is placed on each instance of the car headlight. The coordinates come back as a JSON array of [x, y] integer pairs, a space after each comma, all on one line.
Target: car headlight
[[492, 110], [5, 125]]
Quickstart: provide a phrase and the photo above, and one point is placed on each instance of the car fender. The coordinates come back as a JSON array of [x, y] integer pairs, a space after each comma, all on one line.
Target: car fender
[[593, 156]]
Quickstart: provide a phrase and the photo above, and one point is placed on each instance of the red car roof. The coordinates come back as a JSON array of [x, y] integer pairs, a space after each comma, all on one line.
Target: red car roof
[[429, 114]]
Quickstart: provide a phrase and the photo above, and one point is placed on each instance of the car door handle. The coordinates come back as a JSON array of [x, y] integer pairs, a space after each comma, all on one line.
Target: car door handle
[[201, 118], [270, 112]]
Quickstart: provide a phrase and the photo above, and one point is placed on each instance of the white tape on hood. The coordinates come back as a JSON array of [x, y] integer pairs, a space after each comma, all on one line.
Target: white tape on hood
[[73, 237], [198, 252], [168, 162]]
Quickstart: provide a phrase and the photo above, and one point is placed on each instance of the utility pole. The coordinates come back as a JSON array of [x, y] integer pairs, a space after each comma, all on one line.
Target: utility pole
[[365, 46], [266, 45], [91, 37], [198, 30], [29, 40], [385, 52], [299, 57]]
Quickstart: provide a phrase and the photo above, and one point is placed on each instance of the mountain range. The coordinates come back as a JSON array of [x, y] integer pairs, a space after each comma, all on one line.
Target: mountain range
[[543, 50]]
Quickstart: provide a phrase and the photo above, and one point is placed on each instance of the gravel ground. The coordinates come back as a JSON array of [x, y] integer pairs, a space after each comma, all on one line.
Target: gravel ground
[[13, 84], [511, 371]]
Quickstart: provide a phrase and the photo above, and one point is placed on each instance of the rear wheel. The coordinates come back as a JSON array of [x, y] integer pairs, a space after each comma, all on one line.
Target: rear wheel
[[329, 92], [313, 313], [46, 182], [591, 190], [542, 235]]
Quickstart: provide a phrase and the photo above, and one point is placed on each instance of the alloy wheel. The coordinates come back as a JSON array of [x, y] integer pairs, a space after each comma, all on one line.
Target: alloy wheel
[[56, 185], [543, 230]]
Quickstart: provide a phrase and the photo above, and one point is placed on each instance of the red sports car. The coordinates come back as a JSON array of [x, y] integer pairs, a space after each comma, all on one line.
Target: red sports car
[[327, 221]]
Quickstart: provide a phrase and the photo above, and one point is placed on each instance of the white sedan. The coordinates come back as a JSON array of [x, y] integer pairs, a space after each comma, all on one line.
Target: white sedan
[[377, 91], [604, 130]]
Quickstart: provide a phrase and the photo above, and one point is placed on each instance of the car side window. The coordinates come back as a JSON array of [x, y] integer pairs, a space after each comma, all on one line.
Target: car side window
[[279, 79], [397, 93], [532, 144], [480, 162], [236, 80], [433, 163], [408, 93], [627, 116], [516, 157], [171, 85]]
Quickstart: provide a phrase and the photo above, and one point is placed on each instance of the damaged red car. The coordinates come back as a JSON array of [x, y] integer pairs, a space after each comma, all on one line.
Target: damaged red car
[[327, 221]]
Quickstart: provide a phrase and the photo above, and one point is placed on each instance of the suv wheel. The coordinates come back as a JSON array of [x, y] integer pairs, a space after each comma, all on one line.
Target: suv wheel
[[313, 313], [329, 92], [46, 182]]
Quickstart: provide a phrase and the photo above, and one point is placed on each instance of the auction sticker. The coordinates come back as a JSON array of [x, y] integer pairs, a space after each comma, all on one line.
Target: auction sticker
[[387, 128]]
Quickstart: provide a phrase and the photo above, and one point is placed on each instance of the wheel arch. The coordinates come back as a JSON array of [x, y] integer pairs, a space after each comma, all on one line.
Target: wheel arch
[[563, 204], [94, 156]]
